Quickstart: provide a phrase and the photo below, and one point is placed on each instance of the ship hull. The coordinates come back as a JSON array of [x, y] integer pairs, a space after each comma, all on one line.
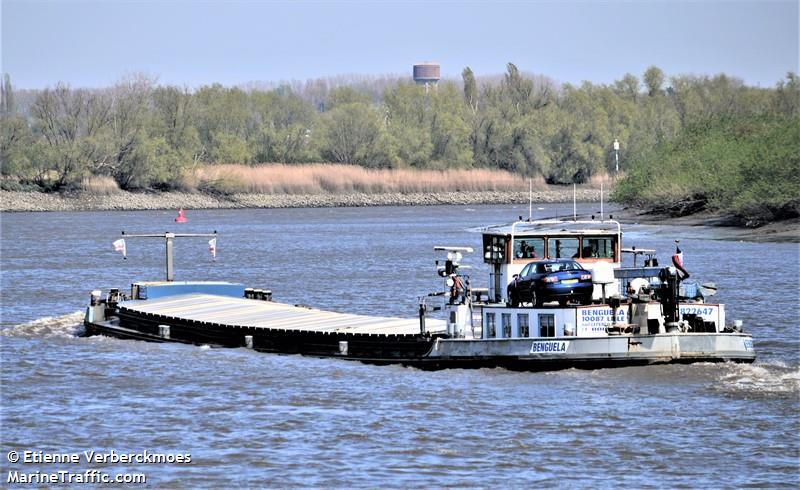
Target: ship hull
[[438, 352]]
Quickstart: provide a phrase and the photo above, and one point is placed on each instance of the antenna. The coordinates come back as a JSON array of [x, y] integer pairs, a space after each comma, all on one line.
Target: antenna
[[574, 205], [601, 202], [168, 238], [530, 199]]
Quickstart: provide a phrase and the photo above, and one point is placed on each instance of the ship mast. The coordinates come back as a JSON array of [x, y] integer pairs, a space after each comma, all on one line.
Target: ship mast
[[168, 239]]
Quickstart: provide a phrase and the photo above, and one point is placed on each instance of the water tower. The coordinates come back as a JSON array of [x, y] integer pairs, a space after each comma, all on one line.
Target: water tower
[[427, 74]]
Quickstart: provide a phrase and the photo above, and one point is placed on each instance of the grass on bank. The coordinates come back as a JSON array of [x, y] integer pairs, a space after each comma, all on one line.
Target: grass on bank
[[748, 167], [342, 179]]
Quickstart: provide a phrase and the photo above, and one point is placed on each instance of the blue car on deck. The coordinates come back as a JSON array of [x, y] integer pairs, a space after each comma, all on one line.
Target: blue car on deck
[[551, 280]]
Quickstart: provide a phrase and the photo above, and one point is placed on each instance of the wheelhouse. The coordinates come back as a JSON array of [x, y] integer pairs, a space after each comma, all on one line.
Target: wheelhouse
[[508, 248]]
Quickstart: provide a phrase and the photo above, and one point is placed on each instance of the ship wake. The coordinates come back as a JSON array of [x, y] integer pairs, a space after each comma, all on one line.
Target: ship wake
[[70, 325], [770, 379]]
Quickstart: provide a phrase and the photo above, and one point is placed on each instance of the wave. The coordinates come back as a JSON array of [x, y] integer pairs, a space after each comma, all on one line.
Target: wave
[[70, 325], [770, 378]]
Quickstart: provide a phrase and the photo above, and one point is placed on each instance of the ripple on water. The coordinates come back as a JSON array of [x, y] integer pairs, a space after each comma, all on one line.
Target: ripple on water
[[255, 420]]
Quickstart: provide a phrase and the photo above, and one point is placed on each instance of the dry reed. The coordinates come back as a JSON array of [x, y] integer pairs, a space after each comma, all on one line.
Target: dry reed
[[340, 179], [609, 180], [100, 185]]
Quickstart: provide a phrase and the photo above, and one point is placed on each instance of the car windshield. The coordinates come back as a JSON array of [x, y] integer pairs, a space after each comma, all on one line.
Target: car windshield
[[557, 267]]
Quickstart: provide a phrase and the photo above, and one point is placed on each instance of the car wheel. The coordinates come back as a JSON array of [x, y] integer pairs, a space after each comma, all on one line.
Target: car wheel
[[562, 302]]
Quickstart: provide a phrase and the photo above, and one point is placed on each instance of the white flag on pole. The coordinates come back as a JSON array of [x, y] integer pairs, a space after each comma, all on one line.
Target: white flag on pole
[[119, 246], [212, 247]]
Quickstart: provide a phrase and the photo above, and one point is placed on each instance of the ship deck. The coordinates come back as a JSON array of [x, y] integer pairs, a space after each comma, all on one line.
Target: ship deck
[[249, 313]]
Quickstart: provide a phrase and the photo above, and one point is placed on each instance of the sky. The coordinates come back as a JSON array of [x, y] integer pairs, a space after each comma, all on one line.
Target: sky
[[193, 43]]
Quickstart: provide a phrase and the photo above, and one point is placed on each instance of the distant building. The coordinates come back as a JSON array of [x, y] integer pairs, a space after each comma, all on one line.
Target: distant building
[[427, 74]]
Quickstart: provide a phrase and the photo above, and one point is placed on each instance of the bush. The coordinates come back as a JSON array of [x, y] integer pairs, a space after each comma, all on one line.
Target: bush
[[225, 186], [16, 186], [746, 166]]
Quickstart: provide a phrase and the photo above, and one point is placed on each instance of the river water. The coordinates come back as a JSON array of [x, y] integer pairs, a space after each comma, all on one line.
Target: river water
[[250, 419]]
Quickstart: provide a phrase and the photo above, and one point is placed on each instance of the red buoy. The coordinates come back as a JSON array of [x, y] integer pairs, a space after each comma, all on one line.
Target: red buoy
[[181, 217]]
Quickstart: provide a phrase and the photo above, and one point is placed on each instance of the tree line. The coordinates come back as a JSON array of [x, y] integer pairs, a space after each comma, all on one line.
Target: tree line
[[148, 136]]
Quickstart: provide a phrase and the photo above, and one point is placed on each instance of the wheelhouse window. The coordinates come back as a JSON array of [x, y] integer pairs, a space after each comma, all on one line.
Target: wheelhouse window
[[598, 247], [494, 249], [522, 321], [547, 326], [490, 326], [528, 248], [562, 248], [506, 325]]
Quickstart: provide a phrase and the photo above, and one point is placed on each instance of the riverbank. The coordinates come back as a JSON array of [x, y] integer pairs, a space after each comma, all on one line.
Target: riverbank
[[780, 231], [725, 227], [130, 201]]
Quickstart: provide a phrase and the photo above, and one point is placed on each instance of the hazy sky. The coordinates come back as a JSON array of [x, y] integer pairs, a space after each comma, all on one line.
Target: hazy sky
[[94, 43]]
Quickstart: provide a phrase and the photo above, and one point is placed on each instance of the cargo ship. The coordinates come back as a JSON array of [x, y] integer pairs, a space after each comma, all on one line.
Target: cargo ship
[[558, 296]]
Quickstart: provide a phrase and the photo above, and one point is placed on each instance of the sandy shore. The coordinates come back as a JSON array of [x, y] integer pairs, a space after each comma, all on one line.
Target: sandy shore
[[723, 226], [128, 201]]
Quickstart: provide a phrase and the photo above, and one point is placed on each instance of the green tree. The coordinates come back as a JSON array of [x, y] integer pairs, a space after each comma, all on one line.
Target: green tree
[[787, 96], [516, 124], [653, 80], [70, 123], [174, 120], [129, 110], [345, 95], [353, 134], [174, 117], [228, 148], [283, 128], [223, 118], [578, 145], [7, 105], [518, 89], [407, 115], [150, 136], [15, 141], [449, 129], [628, 88], [470, 90], [744, 165]]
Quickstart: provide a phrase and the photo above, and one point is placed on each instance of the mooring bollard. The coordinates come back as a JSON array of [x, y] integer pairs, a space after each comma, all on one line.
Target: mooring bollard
[[163, 331], [248, 341]]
